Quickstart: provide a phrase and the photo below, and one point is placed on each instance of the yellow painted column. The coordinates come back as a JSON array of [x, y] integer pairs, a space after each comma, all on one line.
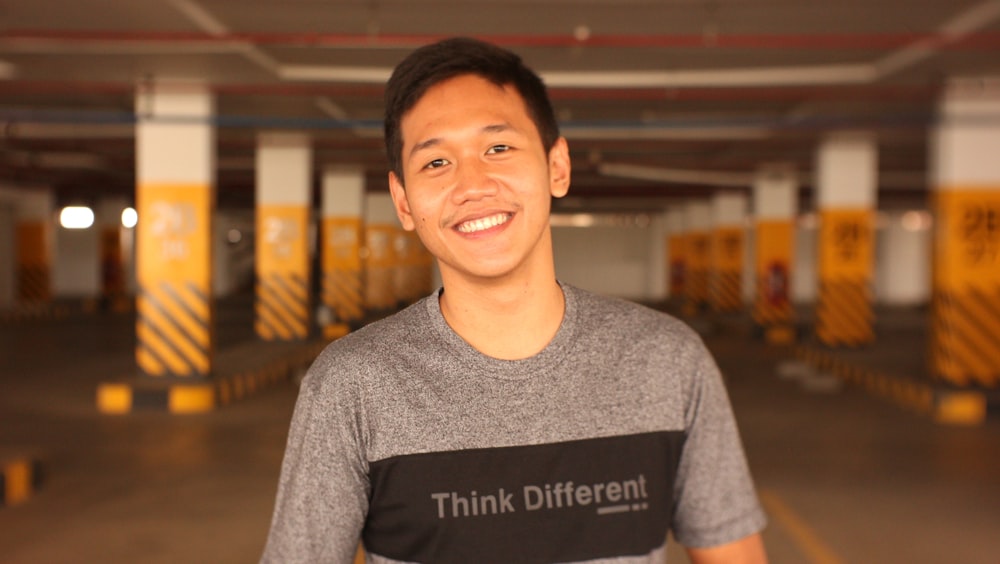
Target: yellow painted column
[[342, 237], [34, 246], [775, 203], [676, 251], [965, 152], [284, 190], [381, 226], [846, 183], [175, 200], [697, 256], [729, 214]]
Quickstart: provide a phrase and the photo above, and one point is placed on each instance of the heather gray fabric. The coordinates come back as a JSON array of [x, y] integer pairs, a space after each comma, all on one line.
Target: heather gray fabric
[[409, 384]]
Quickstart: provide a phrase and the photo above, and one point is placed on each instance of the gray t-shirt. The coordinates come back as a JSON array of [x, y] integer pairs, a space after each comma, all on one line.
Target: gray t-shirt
[[617, 431]]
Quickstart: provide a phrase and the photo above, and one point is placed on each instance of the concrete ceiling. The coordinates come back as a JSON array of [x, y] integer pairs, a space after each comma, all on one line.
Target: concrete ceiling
[[660, 99]]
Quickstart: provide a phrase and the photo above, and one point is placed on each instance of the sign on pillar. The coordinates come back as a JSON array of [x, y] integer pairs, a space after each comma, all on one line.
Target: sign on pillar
[[676, 250], [175, 197], [697, 256], [34, 247], [343, 239], [284, 183], [728, 240], [847, 181], [965, 323], [775, 210], [381, 226]]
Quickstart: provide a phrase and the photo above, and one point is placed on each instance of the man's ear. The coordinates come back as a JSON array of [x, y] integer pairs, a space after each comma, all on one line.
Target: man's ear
[[398, 193], [559, 168]]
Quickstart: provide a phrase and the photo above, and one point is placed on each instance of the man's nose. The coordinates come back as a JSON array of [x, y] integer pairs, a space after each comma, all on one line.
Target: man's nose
[[475, 182]]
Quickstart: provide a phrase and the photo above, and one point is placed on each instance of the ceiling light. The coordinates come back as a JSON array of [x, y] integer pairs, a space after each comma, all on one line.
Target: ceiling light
[[76, 217]]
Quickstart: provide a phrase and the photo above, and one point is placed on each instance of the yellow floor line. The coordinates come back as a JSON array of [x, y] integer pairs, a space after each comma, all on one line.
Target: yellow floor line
[[808, 541]]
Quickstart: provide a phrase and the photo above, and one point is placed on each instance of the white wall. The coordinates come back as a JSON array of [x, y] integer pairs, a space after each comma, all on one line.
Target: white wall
[[903, 264], [76, 272], [805, 278], [607, 260]]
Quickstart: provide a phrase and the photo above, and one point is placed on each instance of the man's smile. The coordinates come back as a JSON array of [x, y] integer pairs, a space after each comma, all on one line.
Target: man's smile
[[483, 223]]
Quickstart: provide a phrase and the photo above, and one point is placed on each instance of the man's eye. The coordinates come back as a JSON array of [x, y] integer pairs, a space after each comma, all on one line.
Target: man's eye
[[436, 163], [498, 149]]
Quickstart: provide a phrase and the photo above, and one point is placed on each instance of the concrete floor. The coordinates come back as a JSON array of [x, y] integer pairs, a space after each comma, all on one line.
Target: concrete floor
[[844, 477]]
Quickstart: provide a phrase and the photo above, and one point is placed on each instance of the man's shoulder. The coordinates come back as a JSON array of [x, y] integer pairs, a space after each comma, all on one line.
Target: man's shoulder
[[377, 341], [627, 316]]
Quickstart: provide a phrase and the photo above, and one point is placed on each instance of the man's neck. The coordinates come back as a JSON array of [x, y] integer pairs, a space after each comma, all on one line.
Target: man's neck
[[509, 321]]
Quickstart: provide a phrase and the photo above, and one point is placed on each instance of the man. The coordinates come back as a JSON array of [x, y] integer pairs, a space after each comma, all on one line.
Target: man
[[507, 417]]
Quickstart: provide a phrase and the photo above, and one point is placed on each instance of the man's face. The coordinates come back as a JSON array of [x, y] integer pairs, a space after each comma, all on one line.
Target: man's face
[[478, 181]]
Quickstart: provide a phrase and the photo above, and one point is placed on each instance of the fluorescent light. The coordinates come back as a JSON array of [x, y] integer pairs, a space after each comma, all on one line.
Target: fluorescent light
[[76, 217], [129, 217]]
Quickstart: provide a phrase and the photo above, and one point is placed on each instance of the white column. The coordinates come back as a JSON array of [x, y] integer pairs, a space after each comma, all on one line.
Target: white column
[[342, 242], [965, 176], [284, 195], [846, 181], [697, 255], [381, 227], [729, 215], [775, 205], [175, 197]]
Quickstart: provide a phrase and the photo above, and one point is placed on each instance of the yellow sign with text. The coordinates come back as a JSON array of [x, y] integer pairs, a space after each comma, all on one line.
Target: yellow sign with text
[[846, 243], [342, 238], [967, 241], [727, 249], [282, 243], [173, 240]]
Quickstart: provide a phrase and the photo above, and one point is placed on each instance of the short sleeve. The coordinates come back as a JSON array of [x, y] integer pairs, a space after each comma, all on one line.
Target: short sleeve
[[323, 490], [714, 493]]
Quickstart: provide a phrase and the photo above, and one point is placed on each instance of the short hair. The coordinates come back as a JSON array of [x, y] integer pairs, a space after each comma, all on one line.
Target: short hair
[[435, 63]]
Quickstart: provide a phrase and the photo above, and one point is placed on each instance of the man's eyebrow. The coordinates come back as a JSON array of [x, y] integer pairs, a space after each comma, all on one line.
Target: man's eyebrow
[[434, 141], [425, 145]]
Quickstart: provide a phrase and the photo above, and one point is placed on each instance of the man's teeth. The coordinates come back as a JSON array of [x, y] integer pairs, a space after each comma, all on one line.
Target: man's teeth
[[483, 223]]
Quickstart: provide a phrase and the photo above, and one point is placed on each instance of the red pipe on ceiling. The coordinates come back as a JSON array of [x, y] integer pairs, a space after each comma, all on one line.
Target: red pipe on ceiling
[[881, 41]]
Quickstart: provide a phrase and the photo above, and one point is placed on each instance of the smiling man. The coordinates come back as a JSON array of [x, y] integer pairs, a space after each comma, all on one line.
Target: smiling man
[[507, 417]]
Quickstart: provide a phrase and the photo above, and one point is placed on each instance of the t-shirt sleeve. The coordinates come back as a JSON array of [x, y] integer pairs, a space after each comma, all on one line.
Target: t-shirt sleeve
[[323, 490], [714, 493]]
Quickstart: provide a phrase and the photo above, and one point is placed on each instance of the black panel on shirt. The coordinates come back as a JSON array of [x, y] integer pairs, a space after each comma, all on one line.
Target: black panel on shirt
[[569, 501]]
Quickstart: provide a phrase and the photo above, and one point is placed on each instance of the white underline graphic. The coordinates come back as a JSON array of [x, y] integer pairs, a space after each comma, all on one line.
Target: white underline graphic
[[613, 509]]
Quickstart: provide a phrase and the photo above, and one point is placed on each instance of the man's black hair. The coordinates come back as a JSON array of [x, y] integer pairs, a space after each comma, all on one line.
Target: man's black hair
[[435, 63]]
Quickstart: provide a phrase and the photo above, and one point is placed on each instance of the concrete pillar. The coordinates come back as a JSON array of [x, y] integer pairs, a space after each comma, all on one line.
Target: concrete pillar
[[381, 225], [412, 273], [111, 252], [35, 246], [729, 215], [846, 182], [342, 237], [284, 196], [676, 251], [965, 176], [175, 197], [697, 255], [775, 205]]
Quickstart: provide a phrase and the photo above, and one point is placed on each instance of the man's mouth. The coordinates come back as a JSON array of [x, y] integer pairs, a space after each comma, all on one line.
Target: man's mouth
[[483, 223]]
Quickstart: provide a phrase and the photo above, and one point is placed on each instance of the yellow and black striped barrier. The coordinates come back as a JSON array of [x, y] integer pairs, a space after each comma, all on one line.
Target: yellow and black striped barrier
[[946, 406], [966, 307], [116, 398], [342, 293], [846, 255], [844, 313], [282, 308], [20, 478], [173, 330]]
